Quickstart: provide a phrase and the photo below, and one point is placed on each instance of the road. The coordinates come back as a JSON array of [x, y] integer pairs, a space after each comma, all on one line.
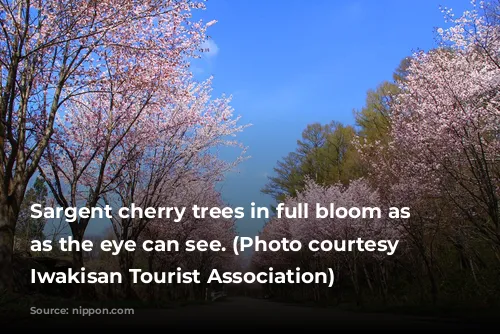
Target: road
[[244, 313]]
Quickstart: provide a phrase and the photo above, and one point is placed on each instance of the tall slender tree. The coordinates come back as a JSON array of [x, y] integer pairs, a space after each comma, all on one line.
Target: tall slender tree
[[52, 51]]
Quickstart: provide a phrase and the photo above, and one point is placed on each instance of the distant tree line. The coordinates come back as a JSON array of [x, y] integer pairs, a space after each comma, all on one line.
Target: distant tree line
[[428, 140]]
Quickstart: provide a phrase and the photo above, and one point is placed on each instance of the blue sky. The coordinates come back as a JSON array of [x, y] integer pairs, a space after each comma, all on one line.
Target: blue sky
[[291, 63]]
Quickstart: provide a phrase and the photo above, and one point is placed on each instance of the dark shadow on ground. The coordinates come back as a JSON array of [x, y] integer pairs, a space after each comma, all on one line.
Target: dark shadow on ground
[[240, 313]]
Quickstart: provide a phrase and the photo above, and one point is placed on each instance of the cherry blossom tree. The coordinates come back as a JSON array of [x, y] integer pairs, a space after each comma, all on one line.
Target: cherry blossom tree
[[447, 119], [52, 51], [442, 159], [101, 131], [182, 151], [200, 193], [358, 193]]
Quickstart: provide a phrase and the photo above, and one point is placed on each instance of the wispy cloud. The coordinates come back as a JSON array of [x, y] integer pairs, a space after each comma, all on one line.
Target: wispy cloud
[[204, 66], [197, 70], [211, 48]]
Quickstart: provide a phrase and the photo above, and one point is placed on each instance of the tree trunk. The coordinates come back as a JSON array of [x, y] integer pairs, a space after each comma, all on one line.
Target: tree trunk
[[354, 273], [77, 259], [383, 283], [77, 253], [81, 290], [368, 279], [432, 281], [8, 217], [151, 287], [428, 264], [126, 260]]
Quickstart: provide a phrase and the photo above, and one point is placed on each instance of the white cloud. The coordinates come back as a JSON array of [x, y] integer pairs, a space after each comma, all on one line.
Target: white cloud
[[197, 70], [212, 48]]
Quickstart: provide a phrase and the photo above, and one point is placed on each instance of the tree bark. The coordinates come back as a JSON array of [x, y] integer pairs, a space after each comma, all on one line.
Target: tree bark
[[151, 287], [9, 212], [77, 254], [126, 260]]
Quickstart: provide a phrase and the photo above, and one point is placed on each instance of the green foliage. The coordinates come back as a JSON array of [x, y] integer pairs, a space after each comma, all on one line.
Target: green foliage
[[288, 177], [373, 120], [327, 153]]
